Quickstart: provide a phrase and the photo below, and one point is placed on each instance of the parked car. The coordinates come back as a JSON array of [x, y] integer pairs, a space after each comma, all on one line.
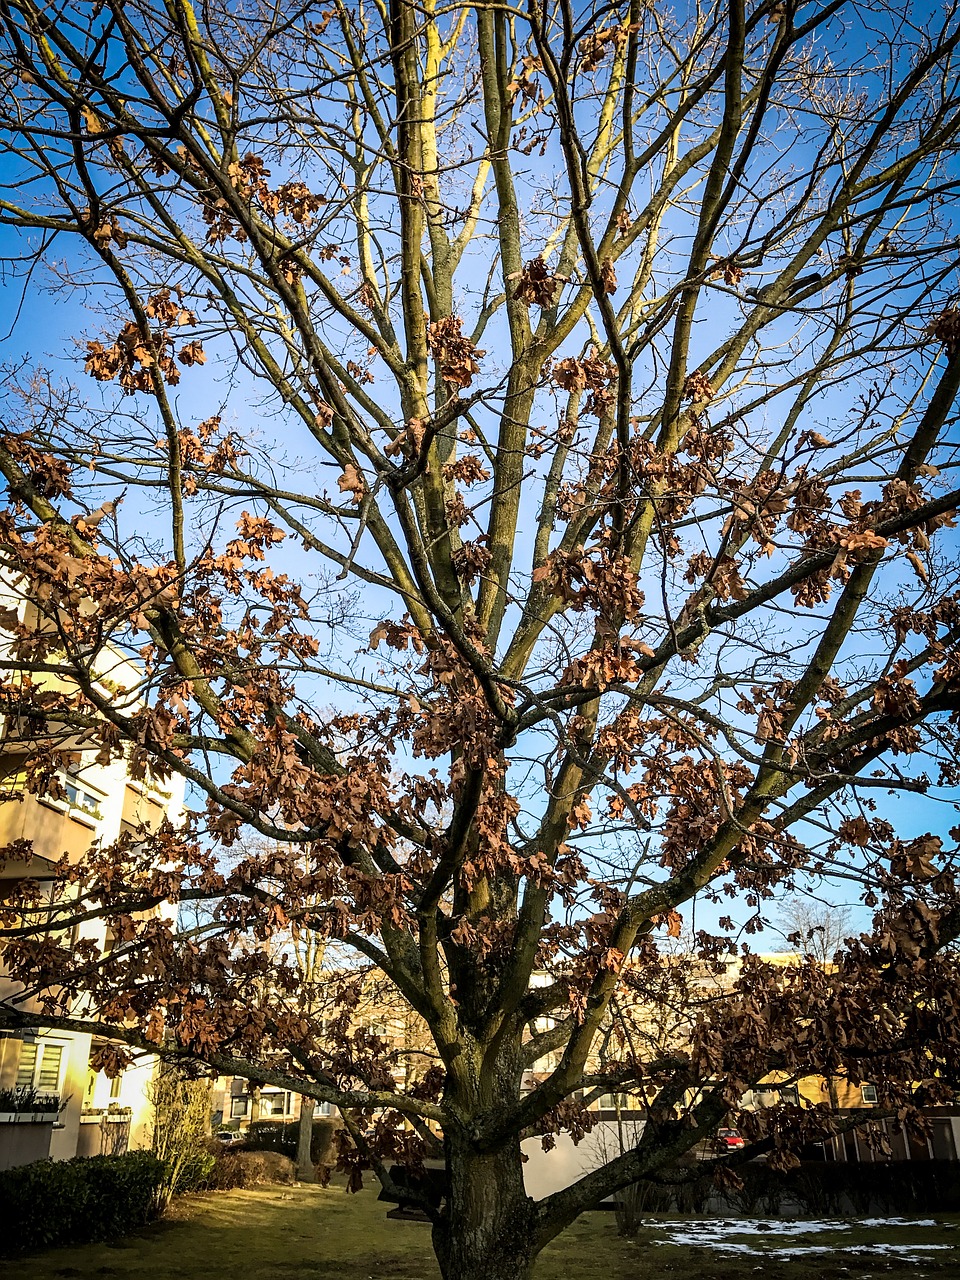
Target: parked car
[[229, 1137], [728, 1140]]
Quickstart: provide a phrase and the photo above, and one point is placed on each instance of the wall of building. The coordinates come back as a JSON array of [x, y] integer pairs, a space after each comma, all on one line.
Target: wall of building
[[100, 803], [23, 1143], [547, 1171]]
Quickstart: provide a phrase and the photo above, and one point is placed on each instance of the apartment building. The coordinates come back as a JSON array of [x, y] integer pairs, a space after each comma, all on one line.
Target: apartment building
[[380, 1012], [51, 1102], [619, 1118]]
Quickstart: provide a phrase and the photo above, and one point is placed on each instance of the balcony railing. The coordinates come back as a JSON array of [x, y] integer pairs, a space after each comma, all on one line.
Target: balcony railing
[[113, 1114], [26, 1104]]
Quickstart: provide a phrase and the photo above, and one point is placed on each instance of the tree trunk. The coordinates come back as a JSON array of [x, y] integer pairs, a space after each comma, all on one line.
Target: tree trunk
[[305, 1169], [487, 1231]]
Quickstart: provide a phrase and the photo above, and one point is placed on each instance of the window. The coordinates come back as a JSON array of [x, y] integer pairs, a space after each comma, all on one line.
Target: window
[[40, 1065], [48, 1075], [238, 1106], [868, 1092], [28, 1066], [76, 794], [781, 1095], [616, 1102], [274, 1104], [79, 797]]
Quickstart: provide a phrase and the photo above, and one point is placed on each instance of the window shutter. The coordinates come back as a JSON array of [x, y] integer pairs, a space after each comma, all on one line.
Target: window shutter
[[28, 1063], [48, 1080]]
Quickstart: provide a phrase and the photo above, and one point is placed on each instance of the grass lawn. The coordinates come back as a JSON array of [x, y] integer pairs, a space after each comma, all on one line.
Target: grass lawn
[[309, 1233]]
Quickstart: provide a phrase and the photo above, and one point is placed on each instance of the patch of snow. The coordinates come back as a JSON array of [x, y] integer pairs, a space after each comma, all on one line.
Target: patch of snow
[[900, 1248], [790, 1227], [896, 1222], [725, 1235], [883, 1249]]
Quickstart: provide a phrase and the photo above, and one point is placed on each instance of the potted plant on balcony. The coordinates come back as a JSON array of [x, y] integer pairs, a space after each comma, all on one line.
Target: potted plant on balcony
[[25, 1105]]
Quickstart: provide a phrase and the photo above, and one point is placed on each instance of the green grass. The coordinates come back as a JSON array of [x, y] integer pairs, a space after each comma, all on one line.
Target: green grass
[[309, 1233]]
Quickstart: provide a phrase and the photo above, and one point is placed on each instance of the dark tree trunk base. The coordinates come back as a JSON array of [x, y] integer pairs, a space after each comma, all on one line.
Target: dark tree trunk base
[[487, 1231]]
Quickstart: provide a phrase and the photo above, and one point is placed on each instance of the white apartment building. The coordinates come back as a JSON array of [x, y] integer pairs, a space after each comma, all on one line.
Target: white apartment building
[[79, 1111]]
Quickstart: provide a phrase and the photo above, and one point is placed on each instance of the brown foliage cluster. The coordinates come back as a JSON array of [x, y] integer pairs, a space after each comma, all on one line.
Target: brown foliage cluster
[[457, 357], [138, 351]]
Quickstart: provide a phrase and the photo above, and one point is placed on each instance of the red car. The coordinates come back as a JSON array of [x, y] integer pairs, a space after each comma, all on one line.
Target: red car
[[729, 1140]]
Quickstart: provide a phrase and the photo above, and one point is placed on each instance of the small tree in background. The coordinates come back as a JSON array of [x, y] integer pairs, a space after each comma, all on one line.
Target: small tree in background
[[814, 928], [181, 1130]]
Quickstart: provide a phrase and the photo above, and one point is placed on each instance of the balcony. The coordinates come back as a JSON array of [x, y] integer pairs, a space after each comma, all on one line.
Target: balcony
[[24, 1105], [27, 1121]]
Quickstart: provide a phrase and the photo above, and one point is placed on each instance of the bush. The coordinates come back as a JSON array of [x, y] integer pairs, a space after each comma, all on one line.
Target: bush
[[59, 1202], [900, 1186], [22, 1098], [181, 1112], [265, 1166], [191, 1172], [226, 1172], [282, 1135]]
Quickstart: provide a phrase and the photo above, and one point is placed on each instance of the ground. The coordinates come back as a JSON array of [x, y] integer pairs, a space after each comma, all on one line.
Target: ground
[[310, 1233]]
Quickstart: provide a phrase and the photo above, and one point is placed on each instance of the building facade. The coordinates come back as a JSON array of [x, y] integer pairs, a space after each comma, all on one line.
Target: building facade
[[51, 1102]]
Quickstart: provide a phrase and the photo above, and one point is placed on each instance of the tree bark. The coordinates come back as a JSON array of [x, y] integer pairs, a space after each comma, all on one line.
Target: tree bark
[[305, 1169], [488, 1229]]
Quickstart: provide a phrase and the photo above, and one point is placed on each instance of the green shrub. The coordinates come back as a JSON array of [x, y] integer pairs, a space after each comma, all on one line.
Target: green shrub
[[23, 1098], [59, 1202], [181, 1107], [282, 1135]]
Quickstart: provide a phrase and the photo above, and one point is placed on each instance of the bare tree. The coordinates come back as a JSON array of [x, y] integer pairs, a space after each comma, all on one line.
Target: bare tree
[[552, 530], [310, 950], [181, 1129], [814, 928]]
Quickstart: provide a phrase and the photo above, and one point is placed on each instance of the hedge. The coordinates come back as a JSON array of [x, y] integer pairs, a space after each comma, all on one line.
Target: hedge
[[846, 1188], [61, 1202], [815, 1189], [282, 1136]]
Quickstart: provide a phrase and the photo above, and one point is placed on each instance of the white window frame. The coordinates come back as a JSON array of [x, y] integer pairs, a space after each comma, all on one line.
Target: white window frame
[[42, 1044], [271, 1098], [81, 798], [81, 801]]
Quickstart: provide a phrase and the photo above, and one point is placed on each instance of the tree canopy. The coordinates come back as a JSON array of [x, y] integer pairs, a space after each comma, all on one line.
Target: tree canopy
[[513, 442]]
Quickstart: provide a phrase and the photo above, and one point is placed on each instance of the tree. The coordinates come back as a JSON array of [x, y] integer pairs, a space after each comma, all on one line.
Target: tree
[[310, 951], [181, 1130], [814, 928], [819, 930], [557, 535]]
